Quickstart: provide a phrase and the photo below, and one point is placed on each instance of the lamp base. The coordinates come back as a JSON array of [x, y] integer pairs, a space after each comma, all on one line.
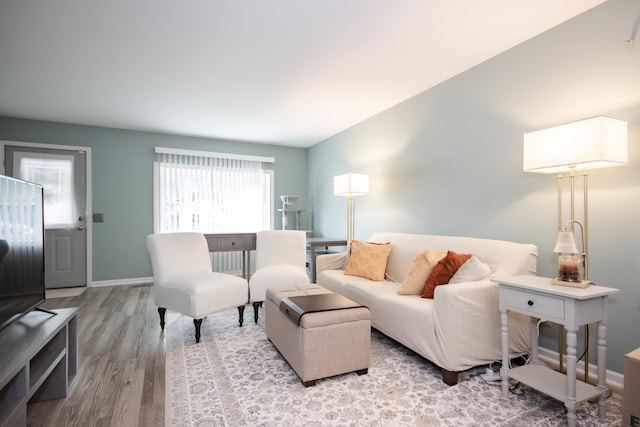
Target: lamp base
[[582, 284]]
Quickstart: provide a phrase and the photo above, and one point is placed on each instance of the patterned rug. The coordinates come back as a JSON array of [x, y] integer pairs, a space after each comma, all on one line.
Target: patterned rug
[[235, 377]]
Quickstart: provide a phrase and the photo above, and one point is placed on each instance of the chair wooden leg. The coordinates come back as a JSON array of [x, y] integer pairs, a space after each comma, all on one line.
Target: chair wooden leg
[[241, 314], [161, 312], [197, 323], [256, 306]]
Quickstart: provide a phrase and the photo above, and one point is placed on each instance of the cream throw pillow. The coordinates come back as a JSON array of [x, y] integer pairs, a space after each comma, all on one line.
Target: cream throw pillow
[[471, 271], [368, 260], [420, 269]]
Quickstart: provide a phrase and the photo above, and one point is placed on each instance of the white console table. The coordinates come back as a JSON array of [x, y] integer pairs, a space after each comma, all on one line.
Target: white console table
[[572, 307], [231, 242], [246, 242], [38, 362]]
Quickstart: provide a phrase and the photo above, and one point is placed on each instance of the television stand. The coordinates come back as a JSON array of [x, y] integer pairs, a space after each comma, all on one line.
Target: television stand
[[39, 361], [45, 310]]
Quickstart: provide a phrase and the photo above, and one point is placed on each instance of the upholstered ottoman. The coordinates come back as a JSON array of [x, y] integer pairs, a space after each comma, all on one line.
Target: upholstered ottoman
[[318, 344]]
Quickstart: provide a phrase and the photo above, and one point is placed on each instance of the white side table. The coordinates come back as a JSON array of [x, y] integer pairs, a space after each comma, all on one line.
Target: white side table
[[572, 307]]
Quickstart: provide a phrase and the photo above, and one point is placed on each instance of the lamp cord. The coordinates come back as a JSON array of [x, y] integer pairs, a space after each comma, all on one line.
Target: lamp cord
[[632, 38]]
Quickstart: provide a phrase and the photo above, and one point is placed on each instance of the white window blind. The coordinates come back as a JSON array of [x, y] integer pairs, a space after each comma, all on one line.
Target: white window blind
[[210, 194]]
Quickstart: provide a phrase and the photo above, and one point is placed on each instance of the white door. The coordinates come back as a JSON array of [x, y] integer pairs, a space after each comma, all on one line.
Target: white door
[[62, 174]]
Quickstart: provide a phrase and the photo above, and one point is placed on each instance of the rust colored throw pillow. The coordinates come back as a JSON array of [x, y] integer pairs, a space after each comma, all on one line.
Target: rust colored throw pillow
[[368, 260], [421, 267], [443, 272]]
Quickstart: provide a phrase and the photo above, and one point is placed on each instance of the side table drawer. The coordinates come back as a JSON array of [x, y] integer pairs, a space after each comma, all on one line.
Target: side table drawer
[[231, 244], [533, 304]]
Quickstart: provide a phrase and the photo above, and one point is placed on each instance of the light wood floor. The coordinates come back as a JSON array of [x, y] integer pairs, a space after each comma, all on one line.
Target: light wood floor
[[120, 380]]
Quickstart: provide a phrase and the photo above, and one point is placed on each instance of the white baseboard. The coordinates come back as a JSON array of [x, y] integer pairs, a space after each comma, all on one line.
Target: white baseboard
[[121, 282], [615, 380]]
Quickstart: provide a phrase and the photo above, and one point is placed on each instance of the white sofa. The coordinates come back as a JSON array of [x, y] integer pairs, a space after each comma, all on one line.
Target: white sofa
[[460, 327]]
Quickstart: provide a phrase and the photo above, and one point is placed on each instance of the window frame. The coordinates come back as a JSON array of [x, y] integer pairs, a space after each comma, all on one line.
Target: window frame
[[267, 188]]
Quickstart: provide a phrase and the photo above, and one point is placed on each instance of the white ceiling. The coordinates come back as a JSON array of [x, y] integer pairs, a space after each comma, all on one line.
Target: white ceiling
[[289, 72]]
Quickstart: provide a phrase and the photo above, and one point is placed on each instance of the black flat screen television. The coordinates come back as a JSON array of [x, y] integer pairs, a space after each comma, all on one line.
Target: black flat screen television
[[21, 248]]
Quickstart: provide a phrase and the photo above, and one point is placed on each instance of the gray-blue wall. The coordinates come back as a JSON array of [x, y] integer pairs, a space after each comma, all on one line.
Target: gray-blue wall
[[449, 161], [122, 187]]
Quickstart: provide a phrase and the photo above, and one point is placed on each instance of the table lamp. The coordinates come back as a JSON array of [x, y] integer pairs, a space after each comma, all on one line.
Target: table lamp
[[572, 264]]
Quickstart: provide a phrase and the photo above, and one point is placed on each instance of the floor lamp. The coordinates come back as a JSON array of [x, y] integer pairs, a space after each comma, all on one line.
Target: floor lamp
[[350, 185], [592, 143]]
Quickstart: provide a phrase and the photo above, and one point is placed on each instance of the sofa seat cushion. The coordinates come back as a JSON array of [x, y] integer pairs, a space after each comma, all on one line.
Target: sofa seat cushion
[[201, 293]]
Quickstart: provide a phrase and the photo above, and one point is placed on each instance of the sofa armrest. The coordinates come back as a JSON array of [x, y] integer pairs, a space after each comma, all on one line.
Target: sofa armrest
[[334, 261], [468, 305], [467, 315]]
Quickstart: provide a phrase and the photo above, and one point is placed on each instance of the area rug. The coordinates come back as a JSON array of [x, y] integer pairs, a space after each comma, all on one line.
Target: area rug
[[235, 377]]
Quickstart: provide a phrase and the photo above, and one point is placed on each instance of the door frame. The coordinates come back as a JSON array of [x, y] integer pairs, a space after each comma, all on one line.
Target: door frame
[[89, 222]]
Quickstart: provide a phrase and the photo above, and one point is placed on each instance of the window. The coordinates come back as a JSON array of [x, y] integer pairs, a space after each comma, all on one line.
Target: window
[[55, 173], [211, 192]]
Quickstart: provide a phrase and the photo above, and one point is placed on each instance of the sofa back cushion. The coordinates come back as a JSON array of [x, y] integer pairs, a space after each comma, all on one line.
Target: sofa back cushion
[[503, 257]]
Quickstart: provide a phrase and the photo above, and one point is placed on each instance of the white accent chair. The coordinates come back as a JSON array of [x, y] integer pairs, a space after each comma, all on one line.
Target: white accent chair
[[281, 257], [184, 281]]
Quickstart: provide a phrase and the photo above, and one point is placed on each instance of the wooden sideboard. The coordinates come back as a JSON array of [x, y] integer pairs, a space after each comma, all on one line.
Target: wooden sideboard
[[38, 362]]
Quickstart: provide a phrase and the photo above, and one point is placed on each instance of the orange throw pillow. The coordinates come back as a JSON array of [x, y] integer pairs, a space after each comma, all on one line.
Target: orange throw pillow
[[443, 272], [368, 260]]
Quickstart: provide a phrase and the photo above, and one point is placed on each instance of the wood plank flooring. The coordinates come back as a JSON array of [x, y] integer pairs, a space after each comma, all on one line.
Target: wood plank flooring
[[121, 359]]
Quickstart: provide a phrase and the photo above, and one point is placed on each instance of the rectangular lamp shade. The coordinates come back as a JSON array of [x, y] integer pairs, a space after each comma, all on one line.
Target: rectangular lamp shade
[[351, 184], [586, 144]]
